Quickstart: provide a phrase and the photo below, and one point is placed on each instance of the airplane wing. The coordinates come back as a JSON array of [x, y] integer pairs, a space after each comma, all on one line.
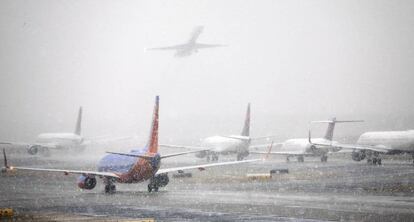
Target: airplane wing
[[199, 148], [65, 171], [151, 156], [174, 47], [43, 145], [264, 146], [282, 153], [204, 166], [202, 45], [96, 173]]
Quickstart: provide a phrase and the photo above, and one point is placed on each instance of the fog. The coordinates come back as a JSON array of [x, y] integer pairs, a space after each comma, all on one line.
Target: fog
[[295, 61]]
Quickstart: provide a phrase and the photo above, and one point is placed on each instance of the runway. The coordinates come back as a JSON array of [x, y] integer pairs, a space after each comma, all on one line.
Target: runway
[[340, 190]]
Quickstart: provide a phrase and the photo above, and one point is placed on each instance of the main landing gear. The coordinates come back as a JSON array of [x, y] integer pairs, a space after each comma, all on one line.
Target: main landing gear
[[301, 159], [158, 181], [374, 158], [324, 158], [213, 157], [109, 186]]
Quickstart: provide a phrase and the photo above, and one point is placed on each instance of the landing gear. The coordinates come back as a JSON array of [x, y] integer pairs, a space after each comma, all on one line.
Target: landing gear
[[324, 158], [287, 159], [214, 157], [158, 181], [374, 159], [301, 159], [152, 187], [208, 158], [109, 185], [241, 156], [110, 188]]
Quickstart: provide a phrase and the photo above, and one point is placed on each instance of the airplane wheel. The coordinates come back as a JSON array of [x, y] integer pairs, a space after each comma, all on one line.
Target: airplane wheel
[[239, 157], [301, 159], [110, 188], [152, 188], [324, 158], [149, 188], [208, 158], [379, 162]]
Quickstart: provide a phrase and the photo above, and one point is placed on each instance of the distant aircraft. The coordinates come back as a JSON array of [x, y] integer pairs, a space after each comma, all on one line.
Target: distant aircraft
[[191, 46], [302, 147], [371, 144], [224, 145], [136, 166], [55, 141]]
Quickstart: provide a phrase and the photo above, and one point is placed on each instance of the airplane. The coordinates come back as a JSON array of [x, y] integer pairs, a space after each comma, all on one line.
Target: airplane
[[212, 147], [302, 147], [134, 167], [55, 141], [371, 144], [191, 46], [223, 145]]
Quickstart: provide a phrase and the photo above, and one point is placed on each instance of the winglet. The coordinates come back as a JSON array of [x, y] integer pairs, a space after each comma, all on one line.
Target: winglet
[[269, 151], [153, 139], [246, 127], [78, 128], [6, 166]]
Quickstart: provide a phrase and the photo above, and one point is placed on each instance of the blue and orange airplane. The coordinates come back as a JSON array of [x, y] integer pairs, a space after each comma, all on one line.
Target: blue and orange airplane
[[134, 167]]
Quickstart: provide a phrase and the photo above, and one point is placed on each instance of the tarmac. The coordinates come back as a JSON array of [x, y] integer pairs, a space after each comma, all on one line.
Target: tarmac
[[339, 190]]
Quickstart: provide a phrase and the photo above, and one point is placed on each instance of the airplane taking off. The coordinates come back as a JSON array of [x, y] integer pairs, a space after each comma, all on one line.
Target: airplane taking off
[[224, 145], [371, 144], [55, 141], [136, 166], [191, 46], [301, 147]]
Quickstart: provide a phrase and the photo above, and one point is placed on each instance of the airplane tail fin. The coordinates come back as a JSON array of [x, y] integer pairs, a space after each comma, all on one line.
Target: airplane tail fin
[[331, 126], [153, 138], [78, 128], [246, 127], [196, 33]]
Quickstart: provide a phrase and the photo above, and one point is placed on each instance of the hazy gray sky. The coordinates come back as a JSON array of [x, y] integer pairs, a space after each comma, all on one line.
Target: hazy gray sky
[[293, 60]]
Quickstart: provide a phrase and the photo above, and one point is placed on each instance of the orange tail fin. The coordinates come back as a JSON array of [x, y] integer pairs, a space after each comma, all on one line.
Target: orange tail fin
[[153, 139]]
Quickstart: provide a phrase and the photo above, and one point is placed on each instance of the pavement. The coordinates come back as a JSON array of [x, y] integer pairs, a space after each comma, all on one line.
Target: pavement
[[339, 190]]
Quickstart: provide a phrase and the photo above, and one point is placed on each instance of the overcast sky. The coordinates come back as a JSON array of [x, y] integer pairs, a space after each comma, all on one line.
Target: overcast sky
[[295, 61]]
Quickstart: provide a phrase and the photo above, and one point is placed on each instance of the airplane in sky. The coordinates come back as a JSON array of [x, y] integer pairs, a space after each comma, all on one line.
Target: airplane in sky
[[191, 46], [371, 145], [224, 145], [136, 166], [55, 141], [302, 147]]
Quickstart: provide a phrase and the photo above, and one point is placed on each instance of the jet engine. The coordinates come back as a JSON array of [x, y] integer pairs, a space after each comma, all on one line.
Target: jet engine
[[34, 149], [86, 182], [358, 155], [201, 154]]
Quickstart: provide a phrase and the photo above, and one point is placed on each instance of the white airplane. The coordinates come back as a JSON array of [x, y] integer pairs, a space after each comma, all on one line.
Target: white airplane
[[301, 147], [224, 145], [371, 144], [55, 141], [191, 46], [136, 166]]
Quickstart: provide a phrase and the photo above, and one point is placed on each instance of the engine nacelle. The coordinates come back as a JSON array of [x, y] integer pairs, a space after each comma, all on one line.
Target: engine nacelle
[[86, 182], [358, 155], [34, 149], [201, 154], [160, 180]]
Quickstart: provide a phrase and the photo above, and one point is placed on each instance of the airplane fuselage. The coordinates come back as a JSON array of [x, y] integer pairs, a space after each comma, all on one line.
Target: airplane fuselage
[[60, 140], [226, 145], [130, 169], [302, 146], [400, 141]]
